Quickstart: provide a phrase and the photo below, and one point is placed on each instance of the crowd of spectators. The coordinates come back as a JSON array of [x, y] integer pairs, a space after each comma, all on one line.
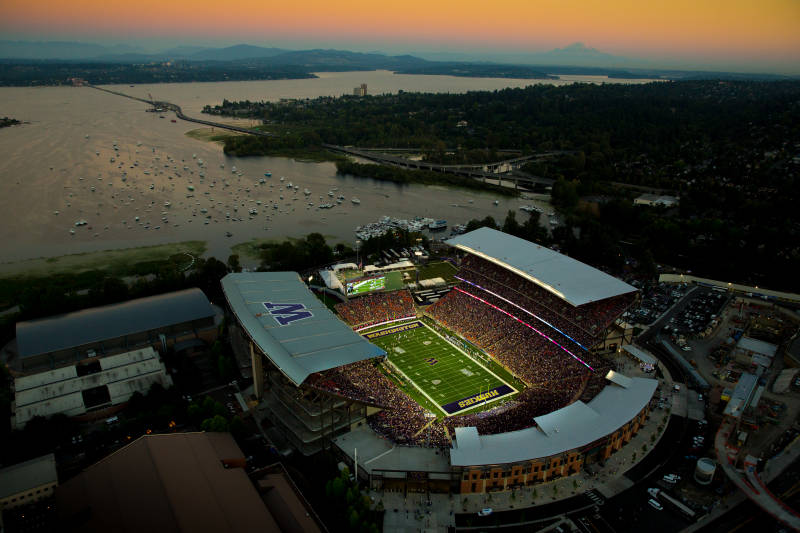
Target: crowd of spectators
[[377, 307], [402, 420], [584, 323], [531, 357]]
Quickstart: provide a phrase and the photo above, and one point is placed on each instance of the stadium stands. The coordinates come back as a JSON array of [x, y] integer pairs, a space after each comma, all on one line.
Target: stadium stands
[[401, 419], [376, 308], [583, 323], [540, 338]]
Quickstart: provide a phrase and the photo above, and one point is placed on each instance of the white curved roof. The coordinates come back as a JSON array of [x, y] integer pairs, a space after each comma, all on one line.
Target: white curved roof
[[573, 426], [291, 326], [569, 279]]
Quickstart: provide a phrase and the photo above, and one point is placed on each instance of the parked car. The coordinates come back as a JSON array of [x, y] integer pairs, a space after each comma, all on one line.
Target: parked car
[[654, 504], [485, 512]]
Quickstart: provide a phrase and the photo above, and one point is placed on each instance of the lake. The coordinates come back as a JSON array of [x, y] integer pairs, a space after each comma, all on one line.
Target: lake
[[61, 167]]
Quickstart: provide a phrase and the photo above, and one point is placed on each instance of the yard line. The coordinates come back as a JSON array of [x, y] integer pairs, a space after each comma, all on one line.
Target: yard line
[[434, 402], [470, 357]]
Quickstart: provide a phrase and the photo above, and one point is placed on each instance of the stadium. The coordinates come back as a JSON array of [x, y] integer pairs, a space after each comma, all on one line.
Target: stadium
[[503, 382]]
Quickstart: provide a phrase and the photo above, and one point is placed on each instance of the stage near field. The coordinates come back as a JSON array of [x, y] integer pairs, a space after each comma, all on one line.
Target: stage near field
[[450, 379]]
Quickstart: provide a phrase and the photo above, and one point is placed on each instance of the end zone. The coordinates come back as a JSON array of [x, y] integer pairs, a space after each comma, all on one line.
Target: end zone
[[476, 399]]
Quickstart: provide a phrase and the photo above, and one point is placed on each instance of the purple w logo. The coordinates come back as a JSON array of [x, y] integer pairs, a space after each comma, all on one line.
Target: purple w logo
[[287, 313]]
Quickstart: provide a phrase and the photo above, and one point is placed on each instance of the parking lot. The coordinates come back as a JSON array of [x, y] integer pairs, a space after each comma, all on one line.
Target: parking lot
[[656, 301]]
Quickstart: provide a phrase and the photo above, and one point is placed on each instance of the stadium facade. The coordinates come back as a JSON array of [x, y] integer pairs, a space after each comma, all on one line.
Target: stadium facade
[[560, 444]]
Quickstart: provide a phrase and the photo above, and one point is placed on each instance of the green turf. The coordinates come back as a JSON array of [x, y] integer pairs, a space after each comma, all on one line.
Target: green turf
[[394, 281], [455, 376], [442, 270]]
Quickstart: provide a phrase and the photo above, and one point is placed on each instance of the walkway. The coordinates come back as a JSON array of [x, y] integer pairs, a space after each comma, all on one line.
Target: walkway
[[749, 481]]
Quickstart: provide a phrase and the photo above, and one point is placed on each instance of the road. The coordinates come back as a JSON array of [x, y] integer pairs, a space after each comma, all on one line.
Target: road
[[179, 113], [470, 171]]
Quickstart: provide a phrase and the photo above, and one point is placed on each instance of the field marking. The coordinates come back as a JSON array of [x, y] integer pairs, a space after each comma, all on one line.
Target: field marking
[[480, 364], [414, 383], [472, 359]]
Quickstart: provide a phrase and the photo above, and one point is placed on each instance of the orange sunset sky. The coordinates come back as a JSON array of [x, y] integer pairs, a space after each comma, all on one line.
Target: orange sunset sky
[[748, 33]]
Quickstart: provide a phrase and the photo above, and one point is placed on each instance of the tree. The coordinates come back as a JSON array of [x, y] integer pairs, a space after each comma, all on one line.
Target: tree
[[237, 427], [216, 424], [533, 231], [353, 519], [487, 222], [338, 488], [233, 263], [564, 194], [511, 226], [114, 290]]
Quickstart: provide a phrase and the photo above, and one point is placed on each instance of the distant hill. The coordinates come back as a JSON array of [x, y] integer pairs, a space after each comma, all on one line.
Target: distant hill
[[60, 50], [232, 53], [574, 59], [344, 60]]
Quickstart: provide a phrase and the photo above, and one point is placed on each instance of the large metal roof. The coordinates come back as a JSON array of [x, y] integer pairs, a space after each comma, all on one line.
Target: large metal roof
[[568, 428], [757, 346], [567, 278], [32, 474], [291, 326], [111, 321]]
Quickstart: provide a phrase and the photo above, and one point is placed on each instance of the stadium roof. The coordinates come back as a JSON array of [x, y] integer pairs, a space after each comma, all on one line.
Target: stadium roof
[[22, 477], [567, 278], [639, 354], [573, 426], [111, 321], [291, 326], [619, 379]]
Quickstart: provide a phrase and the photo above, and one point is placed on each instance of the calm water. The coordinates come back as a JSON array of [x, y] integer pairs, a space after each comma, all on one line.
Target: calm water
[[52, 175]]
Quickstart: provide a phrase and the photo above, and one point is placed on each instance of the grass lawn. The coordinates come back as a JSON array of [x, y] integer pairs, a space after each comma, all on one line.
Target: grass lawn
[[441, 373], [211, 135], [442, 270], [115, 262], [328, 300]]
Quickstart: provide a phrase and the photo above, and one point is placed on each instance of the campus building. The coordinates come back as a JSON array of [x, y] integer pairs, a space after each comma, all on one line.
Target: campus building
[[28, 482], [159, 321], [88, 363]]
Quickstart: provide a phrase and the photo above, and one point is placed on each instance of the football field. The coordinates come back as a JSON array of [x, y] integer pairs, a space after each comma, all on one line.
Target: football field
[[444, 374]]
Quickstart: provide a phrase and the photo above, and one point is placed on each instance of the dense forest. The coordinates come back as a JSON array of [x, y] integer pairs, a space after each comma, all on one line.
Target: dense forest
[[426, 177], [730, 150]]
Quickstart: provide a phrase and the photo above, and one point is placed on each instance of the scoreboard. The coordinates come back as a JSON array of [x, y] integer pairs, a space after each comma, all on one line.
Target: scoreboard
[[364, 285]]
